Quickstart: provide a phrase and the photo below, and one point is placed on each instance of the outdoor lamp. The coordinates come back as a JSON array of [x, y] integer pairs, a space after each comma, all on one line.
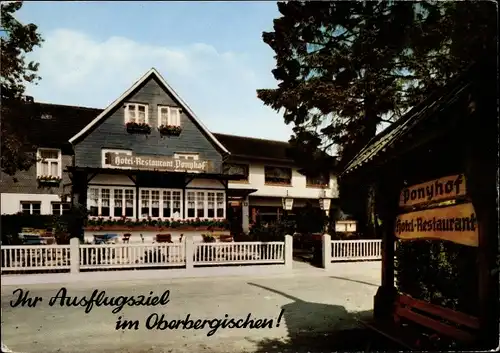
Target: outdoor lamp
[[287, 202], [325, 202]]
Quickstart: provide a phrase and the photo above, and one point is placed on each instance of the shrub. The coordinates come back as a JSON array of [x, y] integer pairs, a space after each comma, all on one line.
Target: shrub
[[439, 272]]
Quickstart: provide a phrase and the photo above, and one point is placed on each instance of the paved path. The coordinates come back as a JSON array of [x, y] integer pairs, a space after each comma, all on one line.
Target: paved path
[[315, 304]]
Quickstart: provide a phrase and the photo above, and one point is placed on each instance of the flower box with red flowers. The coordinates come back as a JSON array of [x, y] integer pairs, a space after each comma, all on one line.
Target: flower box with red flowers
[[138, 128], [49, 180], [148, 224], [169, 130]]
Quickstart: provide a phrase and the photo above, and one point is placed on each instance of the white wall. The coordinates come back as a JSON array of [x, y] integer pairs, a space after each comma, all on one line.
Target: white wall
[[298, 189], [11, 203]]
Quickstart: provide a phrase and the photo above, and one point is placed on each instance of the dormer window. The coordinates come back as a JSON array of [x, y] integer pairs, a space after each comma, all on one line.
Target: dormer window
[[49, 166], [136, 113], [169, 116]]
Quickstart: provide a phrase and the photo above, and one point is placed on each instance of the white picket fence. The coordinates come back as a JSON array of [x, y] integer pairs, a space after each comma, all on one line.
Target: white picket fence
[[91, 257], [360, 249]]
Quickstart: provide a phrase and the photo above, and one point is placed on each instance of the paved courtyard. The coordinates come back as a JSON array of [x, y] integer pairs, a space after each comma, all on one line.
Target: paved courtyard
[[316, 304]]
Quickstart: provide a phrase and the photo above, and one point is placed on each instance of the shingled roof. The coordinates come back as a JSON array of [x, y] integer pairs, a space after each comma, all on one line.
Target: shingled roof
[[255, 148], [52, 125]]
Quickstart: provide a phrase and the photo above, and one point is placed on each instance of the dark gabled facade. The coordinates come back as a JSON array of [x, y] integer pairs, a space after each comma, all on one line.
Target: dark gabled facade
[[108, 130]]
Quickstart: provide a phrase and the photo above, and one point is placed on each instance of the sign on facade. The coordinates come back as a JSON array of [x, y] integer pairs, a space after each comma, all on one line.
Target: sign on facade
[[446, 188], [120, 160]]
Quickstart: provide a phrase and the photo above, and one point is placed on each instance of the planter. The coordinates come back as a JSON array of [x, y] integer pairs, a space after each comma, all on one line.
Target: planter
[[134, 128], [123, 228], [169, 130], [49, 181]]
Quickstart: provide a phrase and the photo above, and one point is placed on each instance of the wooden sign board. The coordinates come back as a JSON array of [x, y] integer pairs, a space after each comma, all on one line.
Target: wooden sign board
[[456, 223], [449, 187]]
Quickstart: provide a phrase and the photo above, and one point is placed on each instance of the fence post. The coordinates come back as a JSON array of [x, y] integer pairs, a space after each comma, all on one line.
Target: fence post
[[189, 248], [327, 251], [288, 251], [74, 255]]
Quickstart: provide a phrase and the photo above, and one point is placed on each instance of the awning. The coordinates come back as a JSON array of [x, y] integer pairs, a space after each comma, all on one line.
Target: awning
[[93, 170], [240, 192]]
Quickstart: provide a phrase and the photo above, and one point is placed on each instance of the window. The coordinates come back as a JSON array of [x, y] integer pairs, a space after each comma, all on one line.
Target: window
[[93, 201], [211, 205], [49, 162], [117, 202], [277, 175], [191, 206], [169, 116], [187, 156], [129, 203], [136, 113], [155, 204], [31, 207], [105, 202], [111, 202], [321, 180], [237, 170], [171, 204], [161, 203], [205, 204], [200, 204], [145, 203], [60, 208], [221, 205]]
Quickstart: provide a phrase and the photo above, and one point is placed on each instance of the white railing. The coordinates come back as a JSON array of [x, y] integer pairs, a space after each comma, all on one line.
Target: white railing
[[360, 249], [239, 253], [35, 257], [186, 255], [131, 255]]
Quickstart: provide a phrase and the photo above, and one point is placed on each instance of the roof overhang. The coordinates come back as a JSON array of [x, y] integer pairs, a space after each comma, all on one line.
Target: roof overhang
[[386, 142], [240, 192], [114, 171]]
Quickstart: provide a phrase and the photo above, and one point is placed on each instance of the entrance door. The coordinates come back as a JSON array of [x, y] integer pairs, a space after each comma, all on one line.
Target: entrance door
[[235, 216]]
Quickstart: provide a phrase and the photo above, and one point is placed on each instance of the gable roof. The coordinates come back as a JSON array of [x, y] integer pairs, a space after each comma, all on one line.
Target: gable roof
[[256, 148], [150, 74]]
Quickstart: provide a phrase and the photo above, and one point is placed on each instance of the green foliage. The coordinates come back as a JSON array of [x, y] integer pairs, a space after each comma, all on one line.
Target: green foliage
[[16, 41], [163, 223], [275, 231], [345, 67], [439, 272]]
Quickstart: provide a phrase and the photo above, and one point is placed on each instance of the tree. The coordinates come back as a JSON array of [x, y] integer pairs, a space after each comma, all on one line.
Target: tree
[[346, 67], [16, 41]]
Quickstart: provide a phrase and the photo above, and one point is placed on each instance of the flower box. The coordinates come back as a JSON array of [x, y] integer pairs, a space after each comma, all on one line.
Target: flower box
[[138, 128], [169, 130], [49, 180], [127, 224], [124, 228]]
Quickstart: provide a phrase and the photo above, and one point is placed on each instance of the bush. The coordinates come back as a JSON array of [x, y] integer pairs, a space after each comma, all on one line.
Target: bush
[[439, 272], [272, 231]]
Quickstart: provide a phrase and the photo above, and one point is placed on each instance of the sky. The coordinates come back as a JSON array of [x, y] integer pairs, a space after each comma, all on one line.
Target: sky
[[211, 53]]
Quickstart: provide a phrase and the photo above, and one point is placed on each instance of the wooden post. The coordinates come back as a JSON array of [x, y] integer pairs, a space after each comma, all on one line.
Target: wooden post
[[387, 197], [480, 166]]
